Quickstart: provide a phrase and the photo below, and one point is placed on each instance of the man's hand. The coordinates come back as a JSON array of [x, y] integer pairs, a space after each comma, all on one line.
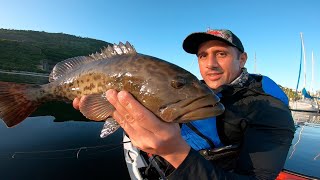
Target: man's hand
[[146, 131]]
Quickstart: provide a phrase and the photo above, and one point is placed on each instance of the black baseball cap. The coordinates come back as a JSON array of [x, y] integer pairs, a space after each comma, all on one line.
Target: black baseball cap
[[192, 42]]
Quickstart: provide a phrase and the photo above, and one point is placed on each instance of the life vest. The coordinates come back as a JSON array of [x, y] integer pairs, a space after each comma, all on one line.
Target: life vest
[[202, 134]]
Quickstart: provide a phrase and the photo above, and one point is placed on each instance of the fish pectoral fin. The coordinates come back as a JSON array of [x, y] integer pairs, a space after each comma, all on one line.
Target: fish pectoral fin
[[109, 127], [96, 107]]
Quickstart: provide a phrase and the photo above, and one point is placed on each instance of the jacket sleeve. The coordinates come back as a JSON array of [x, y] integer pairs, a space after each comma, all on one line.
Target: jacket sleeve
[[255, 162], [196, 167]]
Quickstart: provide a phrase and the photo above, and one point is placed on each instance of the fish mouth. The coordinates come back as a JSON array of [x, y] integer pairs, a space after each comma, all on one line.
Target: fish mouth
[[190, 109]]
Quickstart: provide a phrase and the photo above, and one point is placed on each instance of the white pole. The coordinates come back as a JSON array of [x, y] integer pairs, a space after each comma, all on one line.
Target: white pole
[[304, 62], [312, 80]]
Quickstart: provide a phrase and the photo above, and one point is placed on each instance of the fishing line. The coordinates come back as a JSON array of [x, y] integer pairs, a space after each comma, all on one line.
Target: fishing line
[[75, 152], [315, 158], [294, 146], [192, 62]]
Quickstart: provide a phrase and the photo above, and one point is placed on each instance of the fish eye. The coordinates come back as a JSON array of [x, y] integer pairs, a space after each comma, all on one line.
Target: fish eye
[[178, 83]]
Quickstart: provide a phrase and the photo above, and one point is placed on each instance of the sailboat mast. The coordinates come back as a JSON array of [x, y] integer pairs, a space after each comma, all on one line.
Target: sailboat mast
[[312, 80], [304, 61]]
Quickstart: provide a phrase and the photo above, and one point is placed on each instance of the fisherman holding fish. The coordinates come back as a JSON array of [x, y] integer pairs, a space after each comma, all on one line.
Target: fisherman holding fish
[[167, 111], [253, 134]]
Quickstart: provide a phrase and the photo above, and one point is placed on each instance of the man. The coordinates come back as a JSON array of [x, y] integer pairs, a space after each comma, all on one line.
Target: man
[[251, 138]]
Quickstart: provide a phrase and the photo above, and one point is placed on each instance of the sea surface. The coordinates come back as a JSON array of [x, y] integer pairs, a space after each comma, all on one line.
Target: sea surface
[[58, 147], [57, 142], [304, 153]]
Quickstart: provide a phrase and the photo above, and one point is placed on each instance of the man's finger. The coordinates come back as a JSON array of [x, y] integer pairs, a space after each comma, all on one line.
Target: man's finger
[[113, 99], [125, 125], [75, 103], [142, 116]]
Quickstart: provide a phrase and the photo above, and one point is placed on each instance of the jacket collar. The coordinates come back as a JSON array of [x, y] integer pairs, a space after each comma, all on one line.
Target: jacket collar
[[241, 79]]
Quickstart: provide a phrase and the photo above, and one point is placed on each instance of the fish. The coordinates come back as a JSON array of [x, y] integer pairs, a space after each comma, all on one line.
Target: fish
[[170, 92]]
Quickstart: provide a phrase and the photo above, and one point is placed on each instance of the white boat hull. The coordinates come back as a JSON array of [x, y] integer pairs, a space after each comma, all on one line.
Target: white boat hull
[[304, 105], [133, 159]]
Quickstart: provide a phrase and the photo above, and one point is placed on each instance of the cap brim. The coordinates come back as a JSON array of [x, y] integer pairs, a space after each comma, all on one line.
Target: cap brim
[[192, 42]]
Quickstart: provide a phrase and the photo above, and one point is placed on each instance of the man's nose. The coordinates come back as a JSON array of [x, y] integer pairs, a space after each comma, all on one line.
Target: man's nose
[[212, 61]]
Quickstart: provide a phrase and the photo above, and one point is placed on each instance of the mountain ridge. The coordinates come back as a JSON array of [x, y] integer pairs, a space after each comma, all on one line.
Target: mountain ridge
[[38, 51]]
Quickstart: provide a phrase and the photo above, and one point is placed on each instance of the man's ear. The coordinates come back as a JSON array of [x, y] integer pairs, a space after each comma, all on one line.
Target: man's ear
[[243, 59]]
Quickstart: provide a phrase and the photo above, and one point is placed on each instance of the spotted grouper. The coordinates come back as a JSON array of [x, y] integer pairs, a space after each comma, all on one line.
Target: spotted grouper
[[170, 92]]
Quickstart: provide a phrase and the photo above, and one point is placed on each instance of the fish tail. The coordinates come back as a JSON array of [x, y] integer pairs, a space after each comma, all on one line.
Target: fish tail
[[17, 102]]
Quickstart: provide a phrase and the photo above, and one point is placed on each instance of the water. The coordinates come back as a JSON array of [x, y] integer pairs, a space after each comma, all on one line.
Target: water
[[45, 147], [304, 154]]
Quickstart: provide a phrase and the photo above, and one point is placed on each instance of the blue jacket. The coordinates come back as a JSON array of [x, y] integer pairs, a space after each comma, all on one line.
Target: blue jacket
[[208, 127]]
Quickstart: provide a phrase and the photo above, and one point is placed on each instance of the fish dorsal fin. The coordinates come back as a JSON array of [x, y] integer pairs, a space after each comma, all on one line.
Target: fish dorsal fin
[[64, 67], [67, 65], [115, 50]]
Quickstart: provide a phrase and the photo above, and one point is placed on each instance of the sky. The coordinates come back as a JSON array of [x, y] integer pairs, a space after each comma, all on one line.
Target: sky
[[269, 30]]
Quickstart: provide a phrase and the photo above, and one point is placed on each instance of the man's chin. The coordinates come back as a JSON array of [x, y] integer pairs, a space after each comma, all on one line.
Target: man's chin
[[213, 84]]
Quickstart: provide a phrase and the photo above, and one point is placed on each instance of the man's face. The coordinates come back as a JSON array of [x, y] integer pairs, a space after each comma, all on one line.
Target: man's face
[[219, 63]]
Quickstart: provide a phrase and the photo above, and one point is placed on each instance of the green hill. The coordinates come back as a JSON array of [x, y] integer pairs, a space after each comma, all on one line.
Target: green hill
[[29, 50]]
